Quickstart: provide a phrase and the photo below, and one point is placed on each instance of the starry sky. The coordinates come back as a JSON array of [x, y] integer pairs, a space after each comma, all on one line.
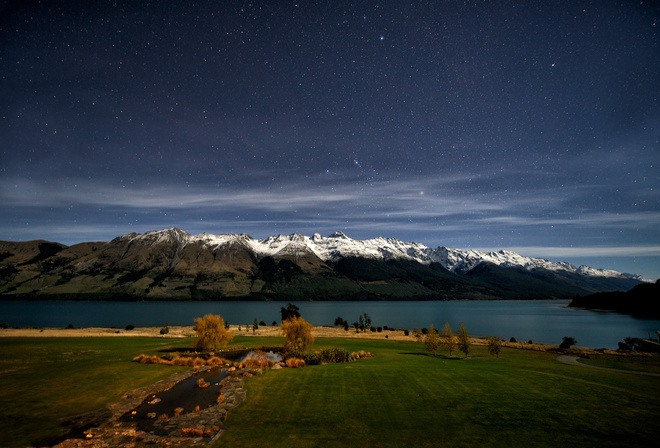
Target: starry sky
[[531, 126]]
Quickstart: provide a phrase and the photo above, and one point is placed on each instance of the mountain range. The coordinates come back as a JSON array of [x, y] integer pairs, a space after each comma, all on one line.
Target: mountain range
[[174, 265]]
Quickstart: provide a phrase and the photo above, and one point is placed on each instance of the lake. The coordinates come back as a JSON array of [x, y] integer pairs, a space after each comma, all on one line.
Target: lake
[[539, 321]]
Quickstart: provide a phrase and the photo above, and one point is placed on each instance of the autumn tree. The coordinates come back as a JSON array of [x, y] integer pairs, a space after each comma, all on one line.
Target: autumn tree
[[297, 333], [463, 339], [432, 340], [447, 338], [211, 333], [494, 346]]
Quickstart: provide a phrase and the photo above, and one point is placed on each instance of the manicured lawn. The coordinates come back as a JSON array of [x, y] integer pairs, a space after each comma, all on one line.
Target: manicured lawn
[[401, 397], [43, 380], [649, 364], [405, 398]]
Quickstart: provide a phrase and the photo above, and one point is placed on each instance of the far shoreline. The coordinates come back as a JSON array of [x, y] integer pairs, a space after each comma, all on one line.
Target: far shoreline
[[319, 332]]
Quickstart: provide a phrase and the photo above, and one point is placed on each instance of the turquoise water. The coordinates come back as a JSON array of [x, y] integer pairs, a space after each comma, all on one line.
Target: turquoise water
[[539, 321]]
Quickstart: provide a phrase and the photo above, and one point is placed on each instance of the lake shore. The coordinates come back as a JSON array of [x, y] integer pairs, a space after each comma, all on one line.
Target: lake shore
[[267, 331]]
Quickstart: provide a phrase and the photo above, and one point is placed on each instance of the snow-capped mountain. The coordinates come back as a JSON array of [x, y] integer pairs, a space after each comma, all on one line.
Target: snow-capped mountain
[[338, 245], [172, 264]]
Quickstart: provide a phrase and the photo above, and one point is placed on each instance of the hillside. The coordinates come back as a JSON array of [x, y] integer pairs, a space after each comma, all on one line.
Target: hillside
[[641, 301], [173, 265]]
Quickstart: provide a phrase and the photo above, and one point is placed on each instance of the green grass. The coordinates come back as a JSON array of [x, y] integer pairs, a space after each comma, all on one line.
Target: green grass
[[401, 397], [640, 363], [405, 398], [44, 380]]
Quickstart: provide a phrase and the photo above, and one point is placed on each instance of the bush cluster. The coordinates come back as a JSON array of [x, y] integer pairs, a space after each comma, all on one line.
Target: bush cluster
[[182, 361], [326, 356]]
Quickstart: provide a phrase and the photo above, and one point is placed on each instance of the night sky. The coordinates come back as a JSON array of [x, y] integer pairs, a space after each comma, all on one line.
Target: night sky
[[532, 126]]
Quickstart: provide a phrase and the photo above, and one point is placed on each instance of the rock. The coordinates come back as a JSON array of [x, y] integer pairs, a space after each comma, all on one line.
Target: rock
[[276, 367], [151, 415]]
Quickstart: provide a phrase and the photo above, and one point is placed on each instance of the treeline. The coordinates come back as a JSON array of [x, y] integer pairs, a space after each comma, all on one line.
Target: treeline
[[641, 301]]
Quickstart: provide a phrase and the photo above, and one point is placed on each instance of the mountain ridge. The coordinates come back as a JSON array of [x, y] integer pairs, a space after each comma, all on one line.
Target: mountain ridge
[[172, 264]]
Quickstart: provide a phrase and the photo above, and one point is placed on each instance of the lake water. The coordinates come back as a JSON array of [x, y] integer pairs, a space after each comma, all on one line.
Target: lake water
[[539, 321]]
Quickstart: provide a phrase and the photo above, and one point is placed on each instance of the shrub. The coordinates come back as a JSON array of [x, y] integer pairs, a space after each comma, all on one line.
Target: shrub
[[372, 329], [406, 333], [295, 362], [4, 325], [144, 359], [332, 355], [216, 361], [183, 361], [198, 362], [130, 327], [379, 329], [164, 330]]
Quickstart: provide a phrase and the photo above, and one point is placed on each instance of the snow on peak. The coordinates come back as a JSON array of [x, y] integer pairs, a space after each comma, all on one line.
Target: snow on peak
[[338, 245]]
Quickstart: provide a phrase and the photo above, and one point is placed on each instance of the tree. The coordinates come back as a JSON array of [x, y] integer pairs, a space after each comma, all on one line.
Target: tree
[[447, 338], [297, 333], [211, 333], [367, 321], [463, 339], [567, 342], [339, 322], [494, 346], [631, 344], [432, 340], [255, 326], [290, 311]]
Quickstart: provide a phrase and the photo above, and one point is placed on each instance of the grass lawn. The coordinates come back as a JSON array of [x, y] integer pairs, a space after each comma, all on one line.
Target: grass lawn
[[401, 397], [46, 379], [649, 364]]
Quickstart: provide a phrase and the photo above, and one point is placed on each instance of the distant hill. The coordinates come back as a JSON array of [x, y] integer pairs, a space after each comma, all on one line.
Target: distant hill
[[173, 265], [642, 301]]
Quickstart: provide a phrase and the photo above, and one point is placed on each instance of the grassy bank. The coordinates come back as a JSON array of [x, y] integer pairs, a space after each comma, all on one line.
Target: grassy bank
[[399, 397]]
